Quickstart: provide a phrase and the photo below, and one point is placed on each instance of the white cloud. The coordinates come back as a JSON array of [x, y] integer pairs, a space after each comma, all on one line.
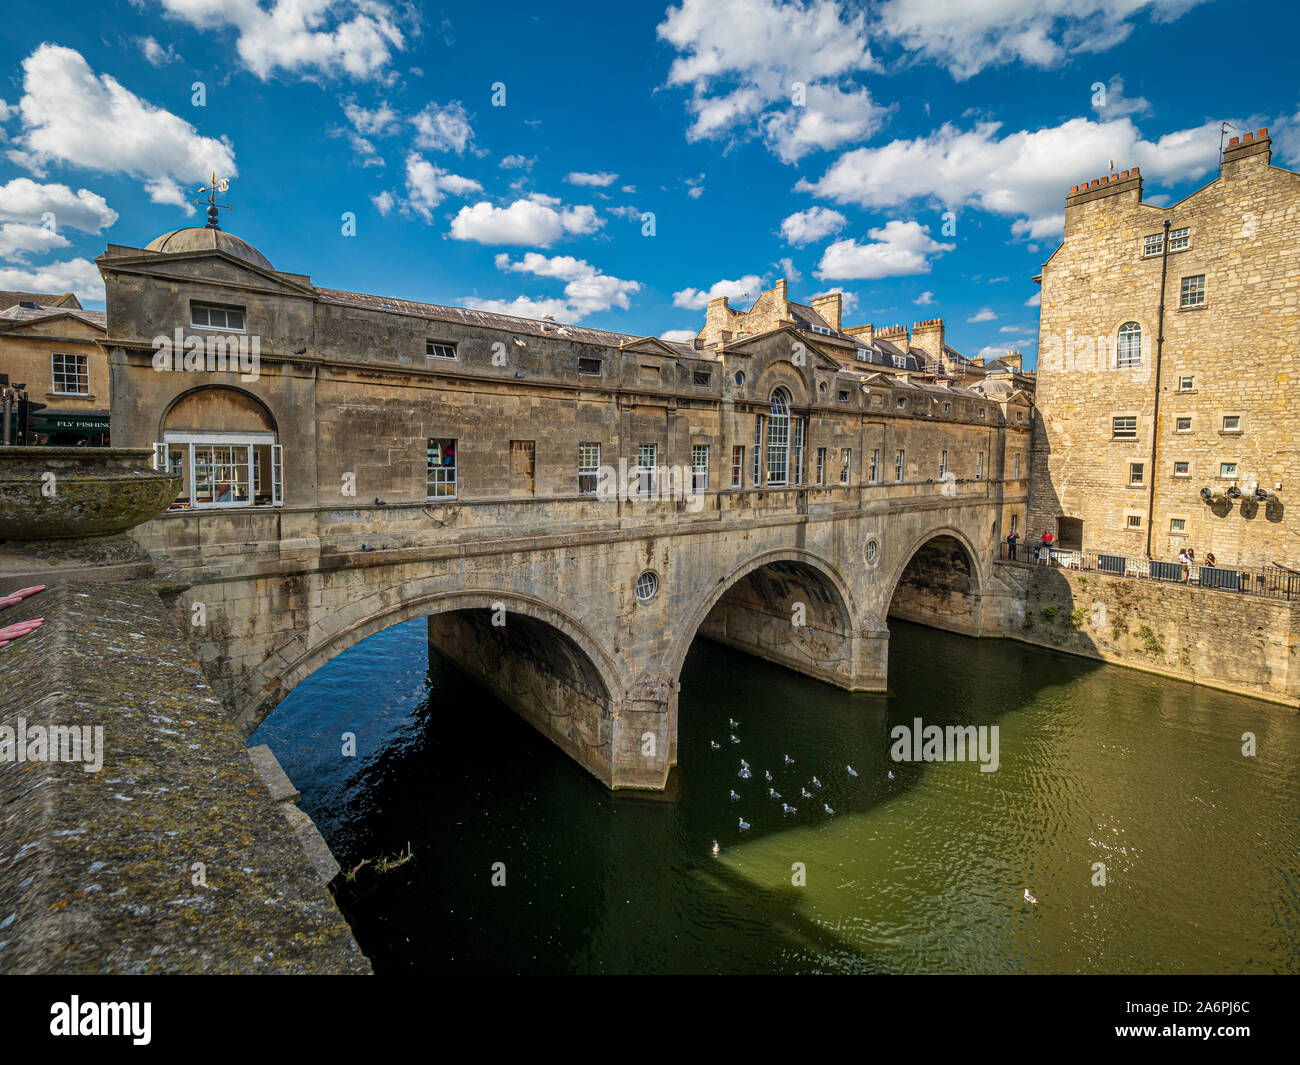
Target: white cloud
[[5, 112], [518, 162], [428, 185], [830, 117], [600, 180], [1012, 329], [520, 307], [316, 38], [742, 60], [696, 299], [381, 121], [1024, 175], [925, 299], [586, 291], [155, 54], [789, 271], [811, 225], [968, 37], [383, 202], [534, 221], [443, 129], [629, 189], [679, 336], [897, 250], [24, 200], [74, 275], [1035, 300], [17, 239], [984, 314], [1110, 101], [695, 192], [73, 117], [627, 212]]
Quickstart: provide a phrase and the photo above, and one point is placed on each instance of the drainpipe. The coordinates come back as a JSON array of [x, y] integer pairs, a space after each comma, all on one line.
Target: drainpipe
[[1155, 414]]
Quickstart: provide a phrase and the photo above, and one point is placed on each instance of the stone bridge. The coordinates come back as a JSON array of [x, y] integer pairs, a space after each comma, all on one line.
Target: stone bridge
[[825, 493], [551, 620]]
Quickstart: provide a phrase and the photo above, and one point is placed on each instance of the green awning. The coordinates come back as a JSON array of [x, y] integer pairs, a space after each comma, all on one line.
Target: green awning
[[69, 421]]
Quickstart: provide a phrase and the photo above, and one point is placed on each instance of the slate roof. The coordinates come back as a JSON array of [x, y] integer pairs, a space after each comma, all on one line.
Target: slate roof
[[485, 319], [50, 299], [15, 313]]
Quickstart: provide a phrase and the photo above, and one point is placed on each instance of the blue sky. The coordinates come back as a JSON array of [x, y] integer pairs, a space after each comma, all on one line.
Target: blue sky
[[506, 158]]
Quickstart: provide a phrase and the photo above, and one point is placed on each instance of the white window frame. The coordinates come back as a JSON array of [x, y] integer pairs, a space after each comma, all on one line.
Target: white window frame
[[778, 439], [174, 442], [1196, 291], [647, 475], [738, 466], [1137, 479], [1177, 526], [875, 466], [1183, 418], [454, 469], [1228, 476], [1125, 434], [699, 469], [979, 465], [588, 466], [226, 308], [943, 463], [1235, 419], [80, 373], [1153, 245], [846, 465], [821, 465], [1186, 470], [431, 349], [1180, 239], [1128, 346]]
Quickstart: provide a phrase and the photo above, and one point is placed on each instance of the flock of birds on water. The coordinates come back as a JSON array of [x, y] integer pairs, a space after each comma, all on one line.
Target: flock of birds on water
[[746, 774]]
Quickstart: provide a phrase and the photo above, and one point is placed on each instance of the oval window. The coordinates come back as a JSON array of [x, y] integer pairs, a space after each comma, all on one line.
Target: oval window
[[873, 550], [647, 586]]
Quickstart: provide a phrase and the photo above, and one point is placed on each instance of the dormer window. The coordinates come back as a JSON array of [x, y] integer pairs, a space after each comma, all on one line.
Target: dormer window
[[216, 316]]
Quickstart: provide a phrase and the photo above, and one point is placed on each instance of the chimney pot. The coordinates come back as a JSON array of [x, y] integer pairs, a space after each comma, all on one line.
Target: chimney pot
[[1135, 171], [1123, 173], [1247, 137], [1233, 141], [1263, 132]]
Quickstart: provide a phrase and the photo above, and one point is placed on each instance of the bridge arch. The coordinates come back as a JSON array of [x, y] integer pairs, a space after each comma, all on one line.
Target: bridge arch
[[592, 667], [756, 601], [939, 582]]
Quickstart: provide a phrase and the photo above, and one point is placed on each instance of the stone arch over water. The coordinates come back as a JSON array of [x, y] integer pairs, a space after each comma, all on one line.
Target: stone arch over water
[[939, 583]]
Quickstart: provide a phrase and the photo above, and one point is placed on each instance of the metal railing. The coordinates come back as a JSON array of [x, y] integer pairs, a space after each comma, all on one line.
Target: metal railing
[[1268, 582]]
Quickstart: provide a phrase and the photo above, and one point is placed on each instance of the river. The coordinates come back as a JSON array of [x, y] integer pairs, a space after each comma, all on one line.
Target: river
[[924, 873]]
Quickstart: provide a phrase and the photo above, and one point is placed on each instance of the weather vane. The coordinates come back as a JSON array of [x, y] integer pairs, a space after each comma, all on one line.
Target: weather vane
[[217, 186]]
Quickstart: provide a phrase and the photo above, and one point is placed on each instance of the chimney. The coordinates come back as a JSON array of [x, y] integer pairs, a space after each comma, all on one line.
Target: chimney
[[830, 307], [780, 288], [895, 334], [1254, 150], [928, 337], [1013, 360], [866, 332]]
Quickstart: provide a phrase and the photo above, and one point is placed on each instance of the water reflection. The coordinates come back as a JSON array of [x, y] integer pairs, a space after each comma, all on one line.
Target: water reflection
[[922, 873]]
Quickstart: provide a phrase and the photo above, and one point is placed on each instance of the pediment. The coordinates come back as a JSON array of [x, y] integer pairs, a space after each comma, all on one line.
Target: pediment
[[213, 266]]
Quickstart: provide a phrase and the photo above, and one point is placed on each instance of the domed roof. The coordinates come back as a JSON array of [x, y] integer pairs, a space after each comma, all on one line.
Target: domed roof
[[204, 239]]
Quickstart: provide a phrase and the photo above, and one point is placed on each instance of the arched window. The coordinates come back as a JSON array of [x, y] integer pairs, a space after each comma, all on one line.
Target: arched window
[[1129, 348], [778, 438], [223, 444]]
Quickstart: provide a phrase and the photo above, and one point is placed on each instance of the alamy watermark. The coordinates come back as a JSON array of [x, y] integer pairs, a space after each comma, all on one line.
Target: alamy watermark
[[231, 353], [630, 484], [953, 743], [57, 743]]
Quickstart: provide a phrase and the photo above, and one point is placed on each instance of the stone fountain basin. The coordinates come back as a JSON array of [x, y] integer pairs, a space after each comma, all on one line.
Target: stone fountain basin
[[93, 491]]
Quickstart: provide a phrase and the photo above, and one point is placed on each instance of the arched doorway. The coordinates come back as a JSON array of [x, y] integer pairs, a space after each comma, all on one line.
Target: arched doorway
[[223, 444]]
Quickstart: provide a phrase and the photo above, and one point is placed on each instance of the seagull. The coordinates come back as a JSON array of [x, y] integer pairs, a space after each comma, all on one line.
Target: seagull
[[715, 846], [806, 793], [891, 774], [744, 774], [768, 773], [816, 783], [734, 740], [827, 808], [715, 746], [789, 809], [743, 824], [774, 793], [1030, 898], [852, 772], [789, 760], [734, 796], [744, 764], [733, 723]]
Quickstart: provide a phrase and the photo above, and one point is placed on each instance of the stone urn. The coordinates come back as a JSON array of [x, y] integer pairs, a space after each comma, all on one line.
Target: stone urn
[[58, 493]]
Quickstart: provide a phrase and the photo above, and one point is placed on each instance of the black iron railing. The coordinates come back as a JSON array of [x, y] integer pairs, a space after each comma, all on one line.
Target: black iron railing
[[1268, 582]]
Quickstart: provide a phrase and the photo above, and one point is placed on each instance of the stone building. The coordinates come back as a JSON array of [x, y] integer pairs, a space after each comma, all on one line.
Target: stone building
[[357, 397], [1169, 340], [49, 343]]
